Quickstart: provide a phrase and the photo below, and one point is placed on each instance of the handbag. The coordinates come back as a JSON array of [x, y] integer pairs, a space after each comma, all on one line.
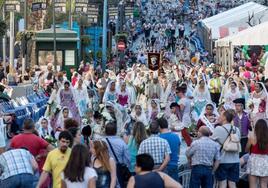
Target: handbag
[[232, 142], [122, 171]]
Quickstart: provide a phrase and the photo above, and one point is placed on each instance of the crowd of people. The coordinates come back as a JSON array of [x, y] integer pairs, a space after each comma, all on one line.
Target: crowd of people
[[133, 127]]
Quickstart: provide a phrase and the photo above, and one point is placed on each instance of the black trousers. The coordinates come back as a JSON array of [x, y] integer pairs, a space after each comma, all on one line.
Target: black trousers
[[215, 97]]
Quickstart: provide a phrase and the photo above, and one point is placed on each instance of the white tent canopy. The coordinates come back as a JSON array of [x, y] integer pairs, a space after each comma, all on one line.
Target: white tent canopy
[[235, 18], [256, 35]]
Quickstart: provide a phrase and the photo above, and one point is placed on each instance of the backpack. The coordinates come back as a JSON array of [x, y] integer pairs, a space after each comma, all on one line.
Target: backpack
[[232, 142]]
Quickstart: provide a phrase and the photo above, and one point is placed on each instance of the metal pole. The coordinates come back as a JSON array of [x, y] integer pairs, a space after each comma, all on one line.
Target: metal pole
[[11, 48], [104, 36], [4, 44], [54, 37], [70, 15], [24, 55]]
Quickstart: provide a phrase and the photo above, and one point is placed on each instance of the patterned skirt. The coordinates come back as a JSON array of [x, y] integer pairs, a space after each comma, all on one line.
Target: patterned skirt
[[258, 165]]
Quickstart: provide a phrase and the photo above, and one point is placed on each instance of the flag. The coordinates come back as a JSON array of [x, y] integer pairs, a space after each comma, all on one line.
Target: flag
[[154, 61]]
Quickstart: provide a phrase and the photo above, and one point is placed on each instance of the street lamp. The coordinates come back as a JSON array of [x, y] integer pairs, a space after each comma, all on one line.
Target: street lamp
[[104, 34], [12, 7]]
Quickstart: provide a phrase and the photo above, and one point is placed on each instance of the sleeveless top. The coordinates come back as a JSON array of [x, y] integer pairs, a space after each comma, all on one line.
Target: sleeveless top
[[255, 150], [151, 179], [104, 177]]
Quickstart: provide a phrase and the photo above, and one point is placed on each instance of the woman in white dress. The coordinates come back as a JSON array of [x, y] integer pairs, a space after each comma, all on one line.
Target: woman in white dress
[[123, 96], [64, 114], [110, 92], [139, 115], [153, 109], [201, 97], [243, 90], [258, 102], [232, 94], [81, 97]]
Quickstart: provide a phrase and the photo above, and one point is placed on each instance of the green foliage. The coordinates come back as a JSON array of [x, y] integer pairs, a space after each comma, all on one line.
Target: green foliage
[[29, 35], [3, 28]]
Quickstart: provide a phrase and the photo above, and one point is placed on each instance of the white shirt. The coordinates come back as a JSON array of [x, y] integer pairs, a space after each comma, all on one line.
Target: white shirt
[[89, 174]]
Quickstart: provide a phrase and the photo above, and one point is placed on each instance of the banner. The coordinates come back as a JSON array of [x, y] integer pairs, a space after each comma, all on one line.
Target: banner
[[154, 61]]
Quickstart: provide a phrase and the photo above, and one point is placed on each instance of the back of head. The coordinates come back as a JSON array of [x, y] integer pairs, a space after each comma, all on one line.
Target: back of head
[[261, 132], [204, 130], [145, 162], [111, 129], [162, 122], [68, 123], [28, 125], [79, 160], [229, 115], [154, 127]]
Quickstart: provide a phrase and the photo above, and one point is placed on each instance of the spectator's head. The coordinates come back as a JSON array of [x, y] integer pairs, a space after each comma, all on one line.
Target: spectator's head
[[76, 134], [261, 132], [154, 127], [28, 125], [66, 85], [111, 129], [68, 123], [65, 139], [99, 149], [162, 122], [139, 132], [144, 162], [180, 91], [227, 116], [79, 160], [203, 131]]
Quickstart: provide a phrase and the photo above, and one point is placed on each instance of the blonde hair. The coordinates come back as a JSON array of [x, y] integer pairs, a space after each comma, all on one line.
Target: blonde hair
[[102, 153]]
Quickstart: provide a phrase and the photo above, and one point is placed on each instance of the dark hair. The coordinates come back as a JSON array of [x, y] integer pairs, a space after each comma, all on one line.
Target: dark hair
[[234, 83], [139, 132], [73, 131], [260, 85], [79, 160], [210, 105], [110, 129], [67, 83], [145, 162], [2, 88], [261, 132], [181, 89], [69, 122], [229, 115], [86, 132], [28, 124], [162, 122], [49, 75], [154, 127], [66, 135]]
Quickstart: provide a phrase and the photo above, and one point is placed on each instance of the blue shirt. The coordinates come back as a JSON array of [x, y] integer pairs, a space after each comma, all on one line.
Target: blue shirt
[[174, 143]]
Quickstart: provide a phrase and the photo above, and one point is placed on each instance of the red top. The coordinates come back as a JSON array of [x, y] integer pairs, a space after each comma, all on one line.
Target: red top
[[30, 141], [255, 150]]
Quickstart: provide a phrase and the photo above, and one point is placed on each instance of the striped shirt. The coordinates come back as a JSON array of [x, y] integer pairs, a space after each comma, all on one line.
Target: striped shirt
[[14, 162]]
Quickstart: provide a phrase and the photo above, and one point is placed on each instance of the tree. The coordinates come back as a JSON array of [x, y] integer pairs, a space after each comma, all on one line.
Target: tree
[[85, 40], [3, 28]]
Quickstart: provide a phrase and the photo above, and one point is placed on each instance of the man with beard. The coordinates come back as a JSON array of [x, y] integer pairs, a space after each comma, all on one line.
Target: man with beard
[[57, 160]]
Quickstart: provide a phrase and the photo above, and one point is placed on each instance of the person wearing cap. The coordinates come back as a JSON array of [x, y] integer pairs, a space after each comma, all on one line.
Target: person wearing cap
[[242, 121]]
